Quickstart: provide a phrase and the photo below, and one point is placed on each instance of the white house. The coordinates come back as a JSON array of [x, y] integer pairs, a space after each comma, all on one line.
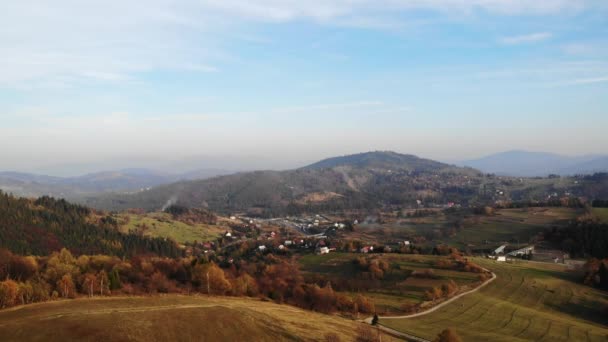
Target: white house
[[501, 258], [323, 250], [262, 248]]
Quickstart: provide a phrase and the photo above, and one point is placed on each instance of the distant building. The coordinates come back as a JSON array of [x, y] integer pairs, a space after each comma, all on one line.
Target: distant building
[[501, 258], [262, 248], [288, 243], [323, 250], [500, 249]]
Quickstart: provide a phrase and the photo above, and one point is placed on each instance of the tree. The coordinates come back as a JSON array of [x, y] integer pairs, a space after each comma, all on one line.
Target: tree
[[9, 289], [211, 279], [375, 319], [89, 283], [448, 335], [104, 286], [66, 286]]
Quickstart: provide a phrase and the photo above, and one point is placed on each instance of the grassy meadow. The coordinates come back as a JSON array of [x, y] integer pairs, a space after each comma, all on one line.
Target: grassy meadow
[[159, 224], [601, 213], [396, 288], [527, 302]]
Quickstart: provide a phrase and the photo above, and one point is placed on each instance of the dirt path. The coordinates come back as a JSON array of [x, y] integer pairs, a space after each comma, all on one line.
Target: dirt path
[[409, 337]]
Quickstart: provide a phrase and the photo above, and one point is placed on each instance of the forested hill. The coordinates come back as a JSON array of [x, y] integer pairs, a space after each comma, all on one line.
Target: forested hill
[[45, 225], [367, 181]]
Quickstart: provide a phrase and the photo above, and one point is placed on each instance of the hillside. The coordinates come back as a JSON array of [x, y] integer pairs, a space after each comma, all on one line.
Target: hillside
[[527, 302], [363, 181], [169, 318], [45, 225], [380, 160], [360, 181]]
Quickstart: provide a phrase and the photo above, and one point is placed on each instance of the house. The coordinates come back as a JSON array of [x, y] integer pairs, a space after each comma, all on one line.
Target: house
[[262, 248], [281, 247], [288, 243], [406, 243], [233, 217], [323, 250], [228, 234], [500, 249], [367, 249], [501, 258]]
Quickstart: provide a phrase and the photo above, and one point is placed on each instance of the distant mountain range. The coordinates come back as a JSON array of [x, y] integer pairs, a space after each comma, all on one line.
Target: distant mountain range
[[126, 180], [365, 181], [532, 164]]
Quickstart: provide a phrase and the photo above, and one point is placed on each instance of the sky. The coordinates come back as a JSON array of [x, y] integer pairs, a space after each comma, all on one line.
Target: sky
[[279, 83]]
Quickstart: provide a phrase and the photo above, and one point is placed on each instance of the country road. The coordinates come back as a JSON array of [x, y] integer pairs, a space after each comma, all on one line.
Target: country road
[[409, 337]]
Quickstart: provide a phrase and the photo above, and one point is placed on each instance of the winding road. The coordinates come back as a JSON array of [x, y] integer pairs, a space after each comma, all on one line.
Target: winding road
[[409, 337]]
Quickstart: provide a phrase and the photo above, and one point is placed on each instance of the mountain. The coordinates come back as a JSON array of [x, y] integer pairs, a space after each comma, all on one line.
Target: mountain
[[380, 160], [533, 164], [125, 180], [366, 180]]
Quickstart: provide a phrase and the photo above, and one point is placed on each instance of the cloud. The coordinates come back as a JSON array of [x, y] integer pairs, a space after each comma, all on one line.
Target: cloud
[[526, 38], [582, 81], [60, 43]]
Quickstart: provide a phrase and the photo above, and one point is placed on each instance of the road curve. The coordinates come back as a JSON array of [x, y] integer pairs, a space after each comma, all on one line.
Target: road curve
[[409, 337]]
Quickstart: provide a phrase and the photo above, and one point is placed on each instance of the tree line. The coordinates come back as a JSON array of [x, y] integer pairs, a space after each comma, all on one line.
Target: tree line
[[29, 279], [45, 225]]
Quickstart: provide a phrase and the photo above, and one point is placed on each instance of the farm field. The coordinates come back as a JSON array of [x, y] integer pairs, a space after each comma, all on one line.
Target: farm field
[[510, 225], [168, 318], [163, 225], [397, 287], [480, 231], [601, 213], [527, 302]]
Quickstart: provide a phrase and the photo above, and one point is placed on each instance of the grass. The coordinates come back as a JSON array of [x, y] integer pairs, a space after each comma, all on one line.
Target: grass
[[527, 302], [506, 225], [168, 318], [601, 213], [395, 289], [163, 225]]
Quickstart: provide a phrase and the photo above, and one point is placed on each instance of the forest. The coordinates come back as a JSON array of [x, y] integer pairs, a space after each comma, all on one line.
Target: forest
[[46, 225], [29, 279]]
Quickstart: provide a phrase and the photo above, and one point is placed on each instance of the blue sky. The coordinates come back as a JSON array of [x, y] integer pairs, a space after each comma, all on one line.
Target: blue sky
[[290, 82]]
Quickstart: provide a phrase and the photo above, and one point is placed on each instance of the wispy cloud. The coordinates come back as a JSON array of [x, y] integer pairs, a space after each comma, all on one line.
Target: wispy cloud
[[582, 81], [526, 38]]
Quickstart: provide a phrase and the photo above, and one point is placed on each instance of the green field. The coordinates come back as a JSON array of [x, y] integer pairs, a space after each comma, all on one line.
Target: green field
[[163, 225], [396, 288], [601, 213], [168, 318], [480, 231], [510, 225], [528, 301]]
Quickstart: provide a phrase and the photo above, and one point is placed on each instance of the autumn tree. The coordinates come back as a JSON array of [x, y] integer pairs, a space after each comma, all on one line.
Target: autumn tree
[[89, 283], [211, 279], [66, 286], [9, 289]]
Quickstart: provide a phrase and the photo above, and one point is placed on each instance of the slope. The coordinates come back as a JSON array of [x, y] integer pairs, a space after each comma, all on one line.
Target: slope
[[168, 318]]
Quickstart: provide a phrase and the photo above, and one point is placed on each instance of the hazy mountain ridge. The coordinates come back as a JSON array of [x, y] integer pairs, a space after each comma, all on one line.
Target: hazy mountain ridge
[[125, 180], [362, 181], [533, 164]]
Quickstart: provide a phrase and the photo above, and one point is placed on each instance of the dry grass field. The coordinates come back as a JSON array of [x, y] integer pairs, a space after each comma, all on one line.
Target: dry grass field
[[169, 318]]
